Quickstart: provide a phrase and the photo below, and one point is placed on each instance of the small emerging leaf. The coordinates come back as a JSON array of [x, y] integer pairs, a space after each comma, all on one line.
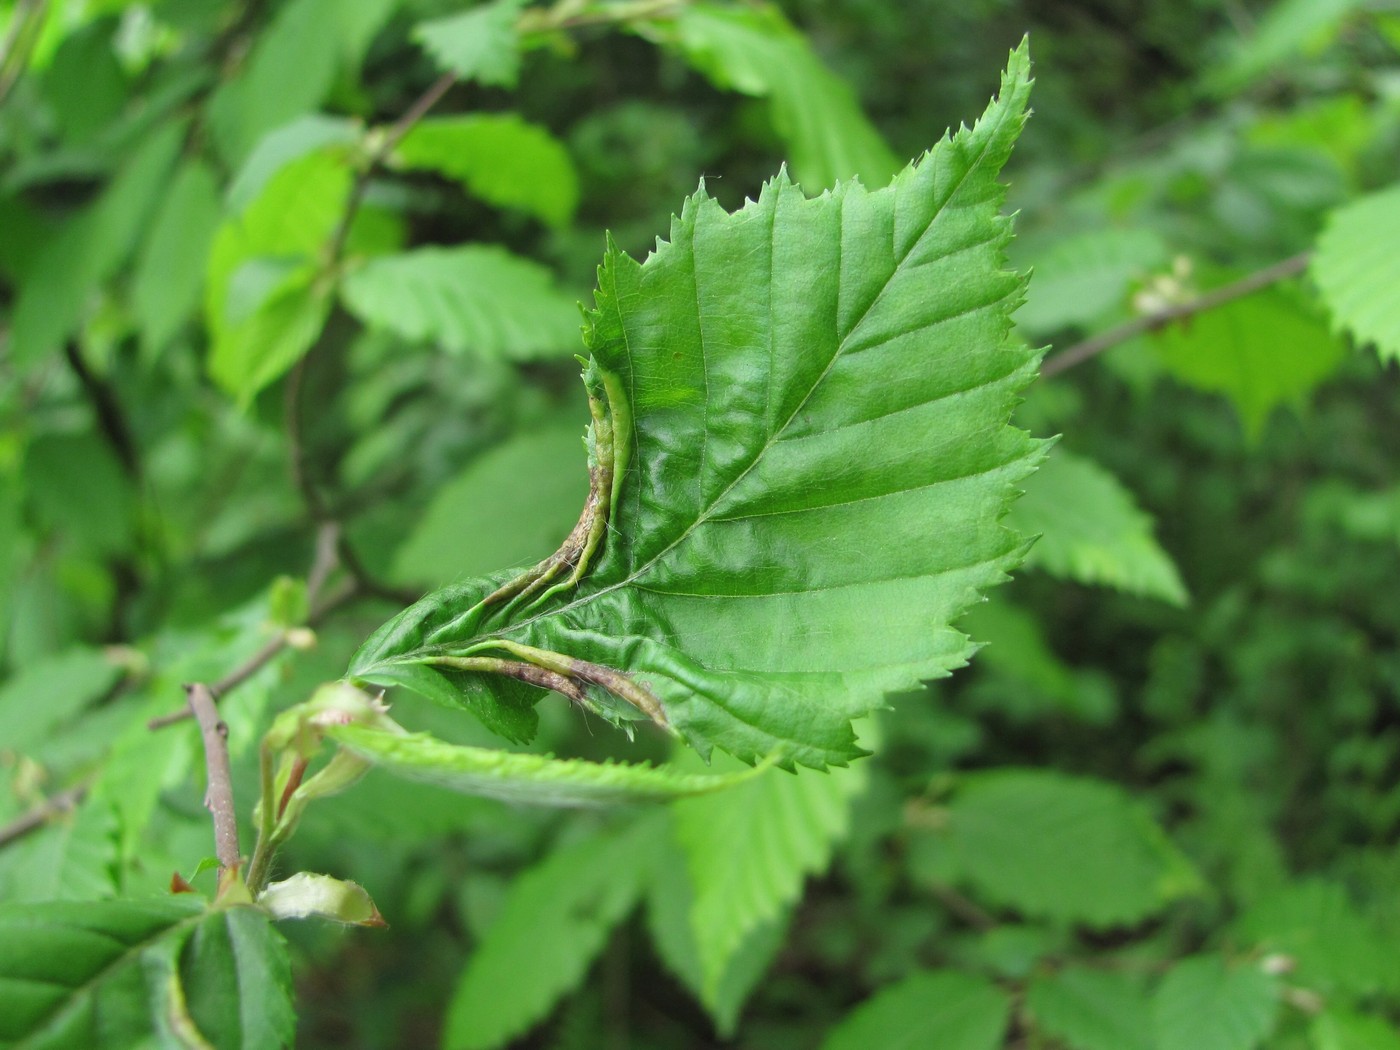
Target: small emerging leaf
[[480, 44], [305, 895], [1357, 270]]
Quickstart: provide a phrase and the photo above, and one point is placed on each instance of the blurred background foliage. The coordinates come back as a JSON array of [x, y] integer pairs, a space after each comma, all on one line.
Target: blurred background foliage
[[245, 304]]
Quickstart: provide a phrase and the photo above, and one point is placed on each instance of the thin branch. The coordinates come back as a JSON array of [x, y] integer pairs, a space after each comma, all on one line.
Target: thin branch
[[1081, 352], [220, 794], [111, 418], [63, 802]]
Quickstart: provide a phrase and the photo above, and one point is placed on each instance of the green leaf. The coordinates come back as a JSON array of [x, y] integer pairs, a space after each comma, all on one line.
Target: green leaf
[[477, 298], [1287, 30], [266, 296], [1202, 1004], [504, 160], [1081, 278], [1357, 272], [292, 69], [275, 150], [513, 501], [115, 974], [1063, 848], [1335, 1029], [1092, 531], [481, 44], [753, 49], [1334, 949], [810, 400], [934, 1008], [165, 289], [555, 921], [49, 692], [1091, 1009], [73, 858], [1262, 351], [537, 779], [90, 249], [670, 905], [237, 980], [748, 851]]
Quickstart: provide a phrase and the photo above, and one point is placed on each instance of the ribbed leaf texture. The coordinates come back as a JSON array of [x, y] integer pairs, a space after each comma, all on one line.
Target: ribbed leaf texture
[[118, 974], [554, 922], [810, 400], [536, 779], [1091, 1009], [936, 1008], [1357, 271], [1204, 1005], [747, 852]]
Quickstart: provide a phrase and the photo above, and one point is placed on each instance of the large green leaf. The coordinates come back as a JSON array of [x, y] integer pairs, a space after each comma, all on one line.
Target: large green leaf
[[1065, 848], [1203, 1004], [501, 158], [477, 298], [937, 1008], [1357, 271], [1092, 531], [1091, 1009], [117, 974], [514, 500], [807, 403], [554, 922], [753, 49], [747, 852], [1268, 349], [49, 692]]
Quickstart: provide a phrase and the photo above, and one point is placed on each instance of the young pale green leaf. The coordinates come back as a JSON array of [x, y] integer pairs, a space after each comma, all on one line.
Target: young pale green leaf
[[1091, 1009], [748, 851], [753, 49], [280, 147], [938, 1008], [307, 895], [1063, 848], [266, 297], [478, 298], [811, 402], [1082, 278], [1356, 270], [1092, 531], [1333, 948], [504, 160], [555, 921], [480, 44], [165, 289], [528, 778], [1203, 1004], [1265, 350], [115, 974], [514, 500]]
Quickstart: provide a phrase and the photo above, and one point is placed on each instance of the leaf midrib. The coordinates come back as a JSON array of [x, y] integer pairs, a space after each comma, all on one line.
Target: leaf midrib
[[704, 516]]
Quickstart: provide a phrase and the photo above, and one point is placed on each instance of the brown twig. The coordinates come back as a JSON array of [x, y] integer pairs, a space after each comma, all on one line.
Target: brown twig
[[63, 802], [219, 798], [1091, 347]]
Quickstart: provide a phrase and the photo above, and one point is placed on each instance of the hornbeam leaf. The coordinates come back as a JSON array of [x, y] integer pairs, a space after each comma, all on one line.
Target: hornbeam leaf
[[801, 451], [536, 779], [1355, 269]]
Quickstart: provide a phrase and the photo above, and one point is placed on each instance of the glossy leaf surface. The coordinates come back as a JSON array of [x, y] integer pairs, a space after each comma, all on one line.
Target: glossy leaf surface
[[811, 400]]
